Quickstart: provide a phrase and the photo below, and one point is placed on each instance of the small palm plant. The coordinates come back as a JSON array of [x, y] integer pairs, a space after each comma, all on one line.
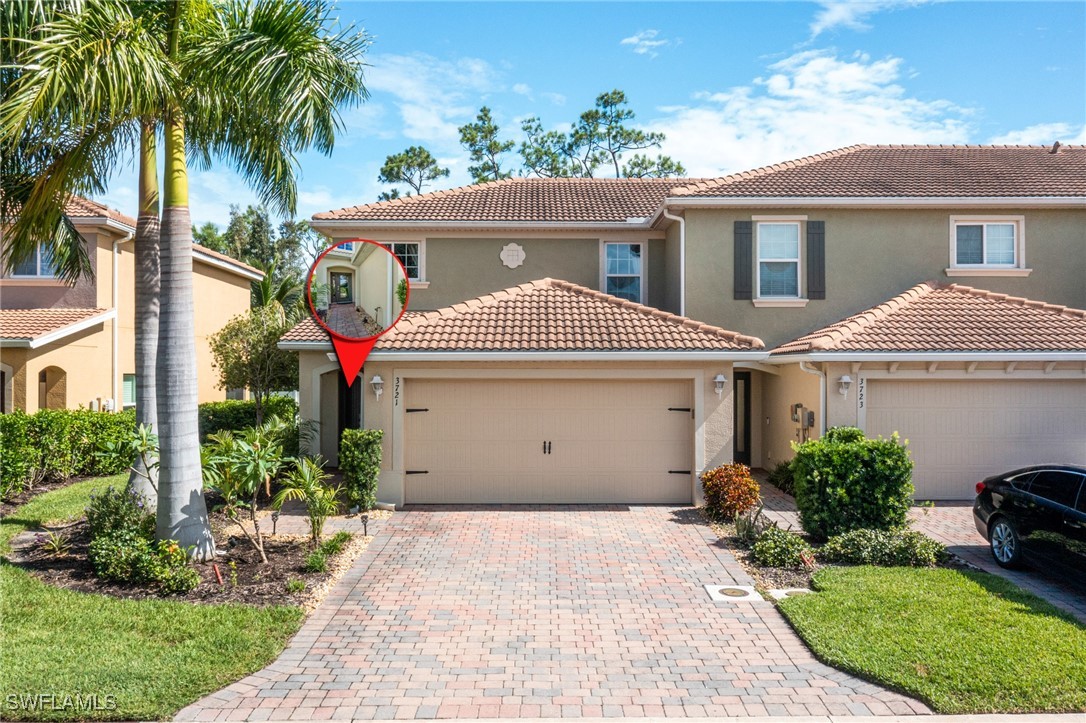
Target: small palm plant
[[307, 482]]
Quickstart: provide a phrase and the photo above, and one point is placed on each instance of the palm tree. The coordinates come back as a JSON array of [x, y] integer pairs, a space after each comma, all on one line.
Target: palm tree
[[287, 291], [252, 82]]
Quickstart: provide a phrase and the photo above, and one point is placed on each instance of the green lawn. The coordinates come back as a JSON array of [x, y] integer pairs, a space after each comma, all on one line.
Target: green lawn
[[963, 642], [154, 657]]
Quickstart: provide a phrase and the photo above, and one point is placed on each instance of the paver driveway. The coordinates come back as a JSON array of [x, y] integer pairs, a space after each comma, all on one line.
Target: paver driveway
[[544, 612]]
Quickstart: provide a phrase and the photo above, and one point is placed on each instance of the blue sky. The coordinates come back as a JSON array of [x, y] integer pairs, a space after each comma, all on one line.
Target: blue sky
[[732, 85]]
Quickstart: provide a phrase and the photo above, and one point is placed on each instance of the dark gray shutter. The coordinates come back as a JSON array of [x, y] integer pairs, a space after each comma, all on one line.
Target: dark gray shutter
[[816, 259], [744, 259]]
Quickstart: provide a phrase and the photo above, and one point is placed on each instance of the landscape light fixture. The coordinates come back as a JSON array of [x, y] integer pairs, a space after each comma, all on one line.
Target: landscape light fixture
[[719, 381], [843, 385], [378, 385]]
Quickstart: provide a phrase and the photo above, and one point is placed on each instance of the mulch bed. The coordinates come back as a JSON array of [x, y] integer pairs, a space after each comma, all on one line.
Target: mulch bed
[[245, 578]]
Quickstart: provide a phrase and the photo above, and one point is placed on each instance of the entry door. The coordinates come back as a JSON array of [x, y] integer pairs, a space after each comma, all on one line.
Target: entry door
[[350, 404], [741, 405], [548, 441], [341, 288]]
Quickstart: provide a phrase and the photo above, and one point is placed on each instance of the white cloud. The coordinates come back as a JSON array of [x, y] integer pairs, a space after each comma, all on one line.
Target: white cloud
[[555, 98], [851, 14], [1043, 134], [522, 89], [430, 94], [810, 102], [646, 42]]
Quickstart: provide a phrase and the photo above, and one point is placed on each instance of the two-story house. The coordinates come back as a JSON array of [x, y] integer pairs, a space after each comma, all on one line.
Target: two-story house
[[841, 288], [66, 346]]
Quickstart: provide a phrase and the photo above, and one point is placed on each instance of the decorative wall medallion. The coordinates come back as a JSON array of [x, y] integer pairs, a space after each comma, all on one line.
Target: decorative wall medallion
[[512, 255]]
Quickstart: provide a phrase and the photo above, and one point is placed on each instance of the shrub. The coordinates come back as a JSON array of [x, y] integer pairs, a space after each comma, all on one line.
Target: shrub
[[336, 543], [235, 415], [847, 482], [17, 462], [779, 548], [316, 561], [295, 585], [307, 482], [887, 548], [782, 478], [360, 463], [117, 510], [729, 491]]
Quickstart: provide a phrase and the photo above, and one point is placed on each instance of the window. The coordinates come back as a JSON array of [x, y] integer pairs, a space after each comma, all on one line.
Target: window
[[40, 265], [410, 255], [623, 270], [778, 260], [987, 246], [128, 391], [346, 246], [1056, 486]]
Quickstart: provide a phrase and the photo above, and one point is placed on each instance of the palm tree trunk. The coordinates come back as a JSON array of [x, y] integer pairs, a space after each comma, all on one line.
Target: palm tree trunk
[[182, 510], [142, 481]]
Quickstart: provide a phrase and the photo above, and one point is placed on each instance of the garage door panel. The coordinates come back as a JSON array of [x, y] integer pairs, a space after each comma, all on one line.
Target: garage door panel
[[611, 441], [962, 431]]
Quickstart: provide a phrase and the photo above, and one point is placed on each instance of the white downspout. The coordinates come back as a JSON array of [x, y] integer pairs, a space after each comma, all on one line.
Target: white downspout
[[117, 316], [821, 392], [682, 258]]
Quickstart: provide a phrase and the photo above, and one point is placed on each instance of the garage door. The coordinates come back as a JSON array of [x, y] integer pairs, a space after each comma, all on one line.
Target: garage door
[[962, 431], [548, 441]]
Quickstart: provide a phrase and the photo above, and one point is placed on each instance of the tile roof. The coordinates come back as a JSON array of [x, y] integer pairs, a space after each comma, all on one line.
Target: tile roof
[[547, 315], [197, 248], [584, 200], [931, 317], [911, 171], [29, 324], [79, 207]]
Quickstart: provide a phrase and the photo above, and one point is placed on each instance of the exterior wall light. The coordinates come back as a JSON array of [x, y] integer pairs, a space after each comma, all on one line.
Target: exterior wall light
[[718, 382], [378, 385], [843, 385]]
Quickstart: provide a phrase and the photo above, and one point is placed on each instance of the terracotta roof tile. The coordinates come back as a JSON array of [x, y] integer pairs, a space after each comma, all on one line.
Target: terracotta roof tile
[[911, 171], [547, 315], [931, 317], [228, 259], [79, 207], [585, 200], [29, 324]]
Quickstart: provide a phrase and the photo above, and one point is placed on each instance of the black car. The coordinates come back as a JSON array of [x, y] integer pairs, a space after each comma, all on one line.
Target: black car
[[1036, 513]]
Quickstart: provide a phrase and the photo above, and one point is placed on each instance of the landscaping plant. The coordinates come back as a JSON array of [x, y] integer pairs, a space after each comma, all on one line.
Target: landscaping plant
[[307, 482], [140, 451], [780, 548], [887, 548], [782, 478], [729, 491], [845, 482], [750, 525], [360, 463]]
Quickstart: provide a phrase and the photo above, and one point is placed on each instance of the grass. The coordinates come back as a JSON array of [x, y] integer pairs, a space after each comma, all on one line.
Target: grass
[[152, 656], [963, 642]]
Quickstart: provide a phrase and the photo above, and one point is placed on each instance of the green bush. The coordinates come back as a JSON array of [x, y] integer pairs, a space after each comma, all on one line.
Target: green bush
[[56, 444], [123, 548], [729, 491], [316, 561], [847, 482], [887, 548], [336, 543], [782, 478], [780, 548], [235, 415], [360, 463]]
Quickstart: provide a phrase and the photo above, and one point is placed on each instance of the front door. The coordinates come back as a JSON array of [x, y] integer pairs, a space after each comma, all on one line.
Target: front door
[[341, 288], [742, 417], [350, 404]]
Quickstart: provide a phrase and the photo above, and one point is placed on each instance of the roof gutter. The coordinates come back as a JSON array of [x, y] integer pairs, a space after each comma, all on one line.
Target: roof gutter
[[927, 356], [430, 356], [874, 201], [49, 338], [233, 268], [341, 224], [682, 257]]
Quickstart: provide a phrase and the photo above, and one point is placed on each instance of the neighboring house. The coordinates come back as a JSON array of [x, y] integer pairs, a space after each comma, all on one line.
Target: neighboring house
[[359, 276], [780, 254], [68, 346]]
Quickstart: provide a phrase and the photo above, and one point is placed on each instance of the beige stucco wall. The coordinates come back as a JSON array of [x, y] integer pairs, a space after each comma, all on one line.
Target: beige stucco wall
[[872, 255], [220, 296], [461, 267], [714, 431], [779, 392]]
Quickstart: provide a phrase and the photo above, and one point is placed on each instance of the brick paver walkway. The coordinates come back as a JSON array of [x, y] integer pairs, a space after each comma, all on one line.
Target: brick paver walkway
[[544, 612], [951, 523], [346, 320]]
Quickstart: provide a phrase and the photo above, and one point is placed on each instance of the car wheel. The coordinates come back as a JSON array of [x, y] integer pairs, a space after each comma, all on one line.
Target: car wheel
[[1005, 543]]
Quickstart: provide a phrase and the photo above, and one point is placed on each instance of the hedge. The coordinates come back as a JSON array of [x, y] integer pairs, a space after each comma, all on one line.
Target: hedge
[[360, 463], [847, 482], [55, 444], [237, 414]]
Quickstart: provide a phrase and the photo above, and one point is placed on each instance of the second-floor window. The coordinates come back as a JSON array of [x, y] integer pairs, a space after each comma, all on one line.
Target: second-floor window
[[979, 243], [623, 269], [410, 255], [778, 260], [39, 265]]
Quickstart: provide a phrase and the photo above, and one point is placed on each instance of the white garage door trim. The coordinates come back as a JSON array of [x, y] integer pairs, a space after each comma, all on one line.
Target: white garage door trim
[[1062, 441], [400, 376]]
